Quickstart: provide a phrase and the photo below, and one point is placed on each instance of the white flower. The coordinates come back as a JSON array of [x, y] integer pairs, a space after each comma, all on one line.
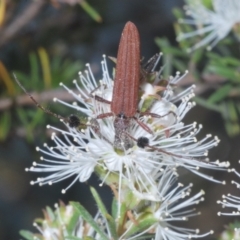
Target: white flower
[[63, 224], [174, 207], [215, 24], [81, 152], [231, 201]]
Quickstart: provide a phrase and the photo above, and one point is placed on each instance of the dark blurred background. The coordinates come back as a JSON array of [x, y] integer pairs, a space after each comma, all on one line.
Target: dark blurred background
[[36, 36]]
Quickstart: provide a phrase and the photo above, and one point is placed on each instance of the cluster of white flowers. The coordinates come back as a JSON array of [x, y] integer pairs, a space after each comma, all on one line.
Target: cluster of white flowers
[[172, 144], [147, 170], [172, 207], [215, 24], [63, 224]]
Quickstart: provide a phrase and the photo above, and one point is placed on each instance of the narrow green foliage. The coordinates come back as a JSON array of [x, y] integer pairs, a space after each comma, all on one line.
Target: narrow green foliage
[[88, 218], [167, 57], [90, 11], [173, 57], [50, 213], [35, 117], [197, 56], [61, 70], [228, 73], [144, 222], [112, 177], [226, 67], [220, 94], [56, 70], [207, 3], [121, 217], [232, 111], [206, 104], [180, 65], [46, 69], [114, 208], [164, 44], [34, 70], [73, 222], [230, 116], [178, 13], [27, 235], [103, 210]]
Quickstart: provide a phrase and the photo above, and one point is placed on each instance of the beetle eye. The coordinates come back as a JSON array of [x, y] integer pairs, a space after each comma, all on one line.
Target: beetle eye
[[142, 142], [73, 121]]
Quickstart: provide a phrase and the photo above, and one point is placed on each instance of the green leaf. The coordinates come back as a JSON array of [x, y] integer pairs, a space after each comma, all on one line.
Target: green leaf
[[91, 11], [36, 118], [229, 112], [232, 111], [197, 55], [71, 69], [226, 72], [50, 213], [178, 13], [167, 63], [27, 235], [220, 94], [56, 63], [179, 65], [89, 219], [232, 129], [35, 69], [166, 47], [144, 222], [30, 119], [180, 28], [227, 67], [114, 208], [21, 114], [208, 105], [122, 215], [23, 78], [103, 210], [64, 70], [227, 60], [99, 202], [73, 222], [45, 67], [230, 115], [207, 3]]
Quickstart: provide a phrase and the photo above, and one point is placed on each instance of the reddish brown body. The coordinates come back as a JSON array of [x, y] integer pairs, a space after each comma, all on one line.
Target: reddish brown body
[[126, 88], [126, 82]]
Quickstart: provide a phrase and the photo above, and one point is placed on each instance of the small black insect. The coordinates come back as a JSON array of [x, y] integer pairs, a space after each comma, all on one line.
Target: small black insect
[[142, 142], [74, 121]]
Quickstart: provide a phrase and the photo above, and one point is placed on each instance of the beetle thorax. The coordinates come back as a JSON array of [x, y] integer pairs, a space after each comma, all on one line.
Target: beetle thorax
[[121, 125]]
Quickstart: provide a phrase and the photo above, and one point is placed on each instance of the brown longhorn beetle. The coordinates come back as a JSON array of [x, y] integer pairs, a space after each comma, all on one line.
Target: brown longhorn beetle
[[124, 104], [126, 87]]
